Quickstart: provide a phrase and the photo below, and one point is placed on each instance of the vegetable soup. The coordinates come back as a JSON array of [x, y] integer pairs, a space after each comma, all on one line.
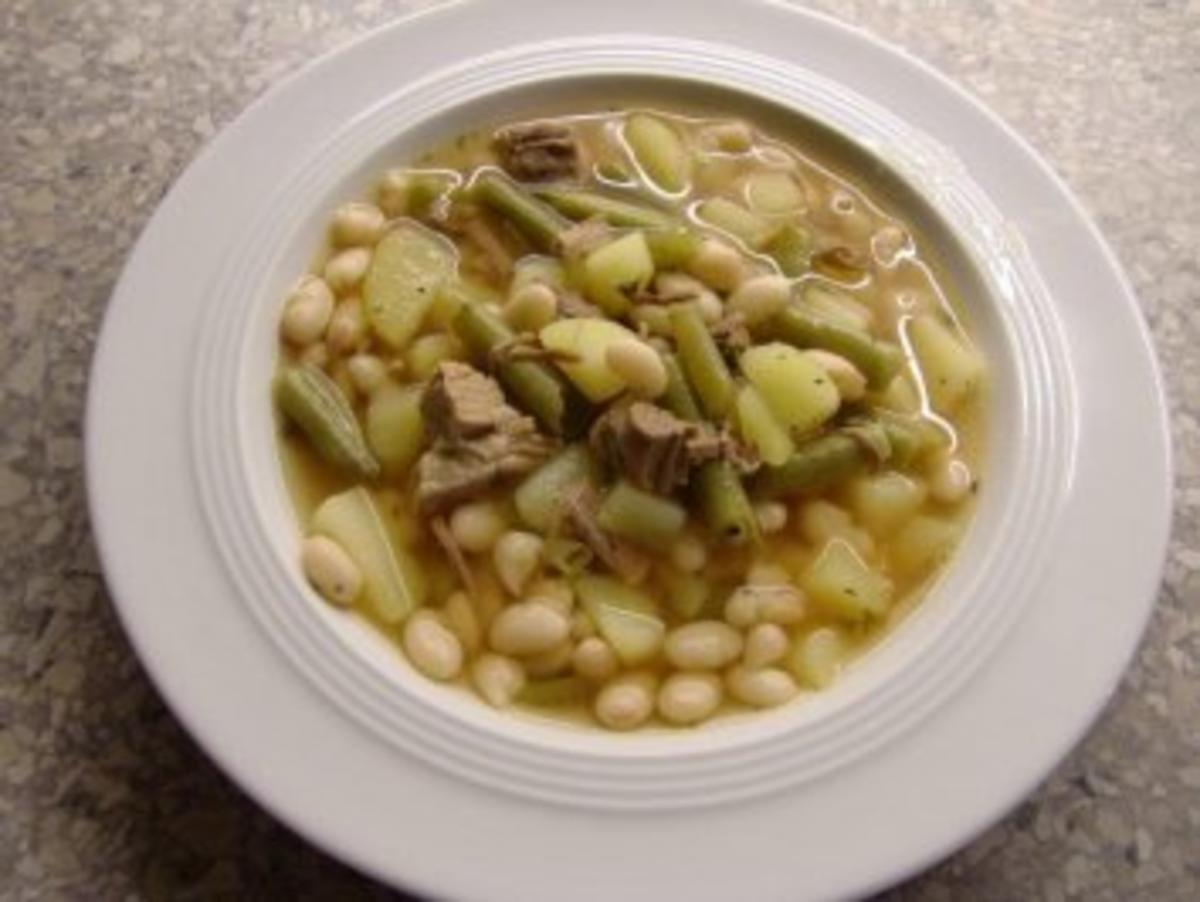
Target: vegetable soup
[[630, 414]]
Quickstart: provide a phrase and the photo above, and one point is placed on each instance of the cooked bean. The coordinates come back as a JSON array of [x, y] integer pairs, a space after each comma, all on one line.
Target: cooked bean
[[780, 603], [555, 593], [527, 628], [346, 269], [331, 570], [704, 645], [638, 365], [367, 372], [347, 328], [497, 678], [851, 383], [357, 223], [625, 703], [760, 298], [516, 557], [949, 479], [477, 525], [689, 698], [772, 516], [392, 192], [316, 355], [594, 659], [766, 644], [764, 573], [463, 621], [730, 137], [765, 688], [582, 625], [307, 311], [717, 265], [531, 306], [431, 647], [550, 663]]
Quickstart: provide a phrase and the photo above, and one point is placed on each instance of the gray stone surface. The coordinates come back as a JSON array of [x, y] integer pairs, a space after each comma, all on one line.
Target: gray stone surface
[[103, 104]]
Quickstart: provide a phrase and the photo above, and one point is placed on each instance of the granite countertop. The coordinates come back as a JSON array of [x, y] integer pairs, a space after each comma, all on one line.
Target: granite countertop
[[102, 795]]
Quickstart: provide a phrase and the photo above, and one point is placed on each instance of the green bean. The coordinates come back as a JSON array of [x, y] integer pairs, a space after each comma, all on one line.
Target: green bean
[[790, 248], [313, 401], [878, 360], [537, 388], [678, 397], [540, 223], [672, 248], [639, 516], [702, 361], [837, 456], [727, 510], [586, 204]]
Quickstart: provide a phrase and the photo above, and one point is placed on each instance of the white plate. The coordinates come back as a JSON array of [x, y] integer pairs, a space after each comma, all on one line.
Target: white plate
[[930, 741]]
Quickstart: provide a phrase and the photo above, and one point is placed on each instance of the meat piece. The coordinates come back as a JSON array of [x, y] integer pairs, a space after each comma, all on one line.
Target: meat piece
[[623, 559], [461, 402], [538, 151], [731, 335], [479, 439], [445, 538], [656, 450]]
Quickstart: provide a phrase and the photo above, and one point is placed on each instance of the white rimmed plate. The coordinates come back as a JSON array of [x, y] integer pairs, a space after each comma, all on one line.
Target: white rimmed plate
[[254, 685]]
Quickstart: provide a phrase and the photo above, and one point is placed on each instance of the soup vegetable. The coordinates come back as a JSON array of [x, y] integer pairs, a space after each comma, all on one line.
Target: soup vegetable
[[633, 415]]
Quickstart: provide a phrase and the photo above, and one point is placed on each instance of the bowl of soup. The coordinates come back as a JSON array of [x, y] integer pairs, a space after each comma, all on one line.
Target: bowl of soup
[[628, 436]]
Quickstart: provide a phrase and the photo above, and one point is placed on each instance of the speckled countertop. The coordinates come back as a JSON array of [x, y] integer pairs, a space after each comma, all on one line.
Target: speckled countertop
[[102, 795]]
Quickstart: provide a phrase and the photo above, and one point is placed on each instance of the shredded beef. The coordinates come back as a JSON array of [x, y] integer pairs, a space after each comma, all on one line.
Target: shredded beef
[[479, 439], [538, 151], [621, 558]]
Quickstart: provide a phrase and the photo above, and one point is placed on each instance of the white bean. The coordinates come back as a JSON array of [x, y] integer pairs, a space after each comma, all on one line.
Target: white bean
[[392, 192], [316, 355], [527, 628], [765, 573], [344, 270], [689, 698], [766, 688], [331, 570], [347, 328], [531, 306], [710, 307], [582, 625], [704, 645], [772, 516], [638, 365], [477, 525], [730, 137], [760, 298], [431, 647], [949, 479], [358, 223], [554, 593], [779, 603], [516, 557], [766, 644], [463, 621], [688, 553], [367, 372], [497, 678], [307, 311], [594, 659], [717, 265], [625, 704], [550, 663], [849, 380]]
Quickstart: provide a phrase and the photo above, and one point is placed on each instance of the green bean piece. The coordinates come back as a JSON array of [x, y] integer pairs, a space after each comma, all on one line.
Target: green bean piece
[[541, 496], [553, 693], [641, 517], [791, 248], [314, 403], [703, 364], [537, 388], [816, 465], [539, 222], [586, 204], [678, 397], [727, 510], [672, 248], [877, 360]]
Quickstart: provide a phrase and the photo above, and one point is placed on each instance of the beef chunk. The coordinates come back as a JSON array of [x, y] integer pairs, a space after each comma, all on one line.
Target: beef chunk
[[538, 151], [656, 450], [627, 562], [731, 335], [479, 439]]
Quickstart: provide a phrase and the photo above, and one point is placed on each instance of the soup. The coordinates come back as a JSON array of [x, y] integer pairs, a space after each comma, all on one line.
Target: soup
[[629, 415]]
